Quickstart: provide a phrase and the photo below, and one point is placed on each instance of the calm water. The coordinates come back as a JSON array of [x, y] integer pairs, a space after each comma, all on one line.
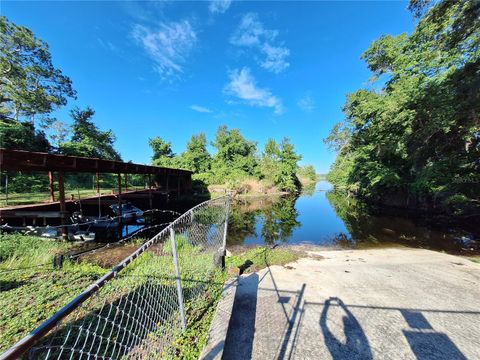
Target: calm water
[[320, 216]]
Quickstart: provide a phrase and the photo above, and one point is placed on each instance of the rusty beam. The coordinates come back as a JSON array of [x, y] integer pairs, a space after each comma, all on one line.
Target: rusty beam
[[19, 160], [63, 208], [97, 181], [51, 185]]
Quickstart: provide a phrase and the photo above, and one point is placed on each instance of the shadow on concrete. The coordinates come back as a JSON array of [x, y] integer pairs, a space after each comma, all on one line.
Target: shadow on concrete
[[426, 343], [356, 345], [241, 329]]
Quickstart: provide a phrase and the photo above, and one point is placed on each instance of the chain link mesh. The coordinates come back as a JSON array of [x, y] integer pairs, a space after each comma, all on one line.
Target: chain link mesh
[[139, 312]]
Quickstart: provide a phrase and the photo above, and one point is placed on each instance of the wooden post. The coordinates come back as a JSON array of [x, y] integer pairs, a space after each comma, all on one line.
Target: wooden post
[[120, 213], [97, 178], [63, 208], [126, 182], [6, 188], [52, 186], [150, 190]]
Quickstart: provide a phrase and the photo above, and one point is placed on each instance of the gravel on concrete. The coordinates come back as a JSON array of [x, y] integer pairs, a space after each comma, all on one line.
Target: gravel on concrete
[[393, 303]]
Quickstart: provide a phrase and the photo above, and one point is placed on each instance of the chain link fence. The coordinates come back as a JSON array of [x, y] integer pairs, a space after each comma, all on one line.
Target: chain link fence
[[140, 307]]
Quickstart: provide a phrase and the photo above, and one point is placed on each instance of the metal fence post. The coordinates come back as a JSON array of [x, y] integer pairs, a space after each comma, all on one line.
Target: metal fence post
[[177, 277], [225, 228]]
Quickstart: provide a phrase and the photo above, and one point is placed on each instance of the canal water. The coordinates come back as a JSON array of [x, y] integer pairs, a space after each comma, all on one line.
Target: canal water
[[320, 216]]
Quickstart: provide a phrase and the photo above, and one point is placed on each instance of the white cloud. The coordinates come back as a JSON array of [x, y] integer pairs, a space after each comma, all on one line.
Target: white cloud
[[219, 6], [275, 58], [243, 86], [252, 34], [168, 46], [200, 109], [306, 103]]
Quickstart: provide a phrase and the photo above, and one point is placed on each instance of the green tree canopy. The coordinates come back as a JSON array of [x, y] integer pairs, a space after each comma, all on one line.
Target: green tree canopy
[[162, 152], [87, 140], [196, 157], [21, 135], [286, 178], [29, 84], [418, 138], [236, 156]]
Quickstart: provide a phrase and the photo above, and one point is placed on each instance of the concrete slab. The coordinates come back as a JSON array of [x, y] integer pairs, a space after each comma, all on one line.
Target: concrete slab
[[361, 304], [219, 327]]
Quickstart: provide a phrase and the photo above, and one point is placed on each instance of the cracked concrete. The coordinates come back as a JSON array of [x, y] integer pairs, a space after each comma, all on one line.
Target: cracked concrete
[[361, 304]]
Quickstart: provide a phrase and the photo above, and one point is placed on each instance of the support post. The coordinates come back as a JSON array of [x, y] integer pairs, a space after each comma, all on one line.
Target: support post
[[6, 188], [178, 279], [97, 181], [126, 182], [225, 228], [150, 200], [63, 208], [120, 212], [52, 186]]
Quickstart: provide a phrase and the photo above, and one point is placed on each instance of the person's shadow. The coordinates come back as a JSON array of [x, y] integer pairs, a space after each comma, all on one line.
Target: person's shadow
[[356, 345]]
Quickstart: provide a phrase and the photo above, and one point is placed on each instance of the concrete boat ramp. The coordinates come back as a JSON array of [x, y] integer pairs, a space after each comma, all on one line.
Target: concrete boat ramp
[[362, 304]]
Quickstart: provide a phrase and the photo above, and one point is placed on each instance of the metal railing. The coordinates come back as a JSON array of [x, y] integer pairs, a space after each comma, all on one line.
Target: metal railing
[[141, 306]]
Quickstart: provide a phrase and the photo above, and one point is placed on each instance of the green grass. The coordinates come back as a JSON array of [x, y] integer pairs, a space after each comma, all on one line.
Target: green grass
[[475, 259], [18, 251], [258, 258], [40, 197], [32, 294]]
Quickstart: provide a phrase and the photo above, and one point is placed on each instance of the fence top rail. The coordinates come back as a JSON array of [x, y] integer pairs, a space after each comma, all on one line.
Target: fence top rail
[[29, 340], [20, 160]]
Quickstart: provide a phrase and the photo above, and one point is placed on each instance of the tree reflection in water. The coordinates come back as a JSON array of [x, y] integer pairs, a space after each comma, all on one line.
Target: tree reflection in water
[[274, 217], [330, 218]]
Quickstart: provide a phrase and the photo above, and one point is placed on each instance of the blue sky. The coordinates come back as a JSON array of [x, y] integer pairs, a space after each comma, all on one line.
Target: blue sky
[[174, 69]]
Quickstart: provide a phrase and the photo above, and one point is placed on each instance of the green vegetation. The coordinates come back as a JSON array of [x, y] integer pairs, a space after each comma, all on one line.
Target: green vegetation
[[475, 259], [236, 163], [32, 290], [258, 258], [20, 250], [307, 175], [416, 143], [86, 139]]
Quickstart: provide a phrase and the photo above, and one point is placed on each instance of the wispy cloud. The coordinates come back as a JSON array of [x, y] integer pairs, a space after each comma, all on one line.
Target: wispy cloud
[[219, 6], [200, 109], [107, 45], [306, 103], [168, 46], [243, 86], [252, 34]]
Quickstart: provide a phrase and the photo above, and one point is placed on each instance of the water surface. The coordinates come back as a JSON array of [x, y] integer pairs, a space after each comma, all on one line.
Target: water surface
[[320, 216]]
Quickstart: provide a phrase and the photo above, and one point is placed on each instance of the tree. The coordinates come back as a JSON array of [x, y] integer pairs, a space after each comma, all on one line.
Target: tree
[[87, 140], [162, 152], [196, 156], [419, 138], [307, 172], [29, 84], [286, 178], [21, 135], [235, 157]]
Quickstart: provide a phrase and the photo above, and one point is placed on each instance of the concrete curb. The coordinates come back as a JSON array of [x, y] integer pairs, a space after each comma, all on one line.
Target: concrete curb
[[217, 334]]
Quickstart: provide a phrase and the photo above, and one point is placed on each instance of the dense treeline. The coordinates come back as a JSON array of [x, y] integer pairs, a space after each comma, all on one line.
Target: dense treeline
[[236, 161], [31, 88], [416, 142]]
